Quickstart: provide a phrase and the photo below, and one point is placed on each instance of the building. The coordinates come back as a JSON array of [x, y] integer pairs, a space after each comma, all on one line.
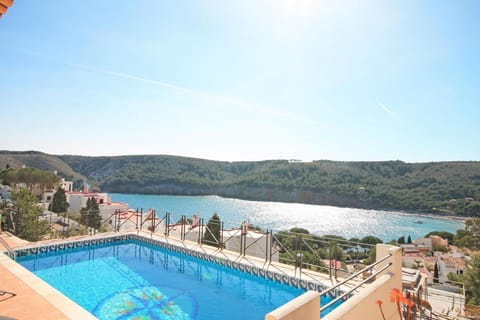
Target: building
[[4, 5], [66, 185], [439, 241], [423, 245]]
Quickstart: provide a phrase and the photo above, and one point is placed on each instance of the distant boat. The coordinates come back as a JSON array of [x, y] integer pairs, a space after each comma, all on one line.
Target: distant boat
[[419, 221]]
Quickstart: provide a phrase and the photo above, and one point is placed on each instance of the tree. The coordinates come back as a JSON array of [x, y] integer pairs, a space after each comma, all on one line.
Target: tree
[[299, 230], [443, 234], [372, 256], [59, 201], [371, 240], [90, 215], [212, 231], [472, 280], [27, 211], [435, 273], [401, 240], [409, 240], [32, 177]]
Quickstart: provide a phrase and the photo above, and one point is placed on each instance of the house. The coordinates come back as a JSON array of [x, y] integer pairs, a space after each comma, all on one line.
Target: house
[[66, 185], [409, 248], [438, 241], [449, 264], [423, 245]]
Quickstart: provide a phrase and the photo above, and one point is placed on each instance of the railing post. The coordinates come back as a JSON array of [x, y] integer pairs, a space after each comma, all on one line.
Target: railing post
[[330, 260], [115, 220], [153, 221], [200, 234], [266, 246], [182, 230], [136, 219], [220, 241], [167, 224]]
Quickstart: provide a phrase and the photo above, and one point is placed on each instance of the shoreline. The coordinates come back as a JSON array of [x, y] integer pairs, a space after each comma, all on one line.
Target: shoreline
[[398, 211]]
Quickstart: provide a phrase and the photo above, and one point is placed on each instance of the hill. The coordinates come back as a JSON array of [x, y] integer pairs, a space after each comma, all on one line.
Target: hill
[[451, 188], [39, 160]]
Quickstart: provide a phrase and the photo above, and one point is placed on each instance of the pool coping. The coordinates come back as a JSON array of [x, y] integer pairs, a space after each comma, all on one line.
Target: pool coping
[[73, 311], [193, 252], [59, 301]]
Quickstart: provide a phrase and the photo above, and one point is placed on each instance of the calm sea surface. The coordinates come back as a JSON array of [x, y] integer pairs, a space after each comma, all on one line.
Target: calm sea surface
[[320, 220]]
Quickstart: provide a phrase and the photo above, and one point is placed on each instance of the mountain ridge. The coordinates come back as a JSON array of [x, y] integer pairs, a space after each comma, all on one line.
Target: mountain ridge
[[449, 187]]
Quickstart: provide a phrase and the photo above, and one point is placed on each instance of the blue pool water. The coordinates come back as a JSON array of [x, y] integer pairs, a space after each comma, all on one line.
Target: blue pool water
[[130, 279]]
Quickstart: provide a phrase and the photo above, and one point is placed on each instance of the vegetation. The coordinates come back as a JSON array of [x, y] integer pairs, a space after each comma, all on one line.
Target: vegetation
[[470, 236], [59, 202], [34, 179], [25, 216], [298, 242], [472, 280], [451, 188], [90, 215], [212, 231], [435, 273], [442, 234], [443, 188]]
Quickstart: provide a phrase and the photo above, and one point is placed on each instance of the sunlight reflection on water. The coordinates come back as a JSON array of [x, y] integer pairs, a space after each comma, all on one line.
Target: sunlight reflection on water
[[321, 220]]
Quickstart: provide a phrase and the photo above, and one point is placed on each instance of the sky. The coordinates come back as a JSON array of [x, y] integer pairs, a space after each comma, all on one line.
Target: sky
[[243, 80]]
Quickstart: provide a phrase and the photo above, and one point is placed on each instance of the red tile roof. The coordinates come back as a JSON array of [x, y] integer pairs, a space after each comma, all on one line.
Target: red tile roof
[[4, 5]]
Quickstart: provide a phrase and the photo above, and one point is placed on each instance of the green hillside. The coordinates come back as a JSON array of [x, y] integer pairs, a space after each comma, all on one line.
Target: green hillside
[[39, 160], [451, 188], [443, 187]]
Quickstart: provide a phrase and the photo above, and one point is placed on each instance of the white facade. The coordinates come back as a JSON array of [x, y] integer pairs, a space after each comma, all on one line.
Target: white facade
[[66, 185], [47, 197], [78, 200]]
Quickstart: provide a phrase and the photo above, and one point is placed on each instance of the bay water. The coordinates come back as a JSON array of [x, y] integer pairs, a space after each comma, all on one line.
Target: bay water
[[319, 220]]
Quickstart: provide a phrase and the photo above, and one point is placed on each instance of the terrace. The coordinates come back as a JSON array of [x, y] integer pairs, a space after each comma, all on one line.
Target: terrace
[[360, 290]]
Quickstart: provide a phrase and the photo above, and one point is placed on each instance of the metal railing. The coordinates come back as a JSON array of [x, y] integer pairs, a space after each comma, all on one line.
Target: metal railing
[[353, 276], [307, 253]]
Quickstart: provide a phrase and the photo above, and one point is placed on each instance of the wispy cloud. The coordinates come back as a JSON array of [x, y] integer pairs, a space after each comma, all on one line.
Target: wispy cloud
[[386, 109], [221, 99]]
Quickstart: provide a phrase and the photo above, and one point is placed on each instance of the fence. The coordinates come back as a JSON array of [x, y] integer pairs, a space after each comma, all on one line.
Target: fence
[[334, 256]]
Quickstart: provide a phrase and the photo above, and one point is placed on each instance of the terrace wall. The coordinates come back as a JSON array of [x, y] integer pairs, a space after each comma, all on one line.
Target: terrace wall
[[362, 305]]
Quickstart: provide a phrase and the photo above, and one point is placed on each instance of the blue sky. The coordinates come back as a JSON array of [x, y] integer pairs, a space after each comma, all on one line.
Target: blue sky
[[243, 80]]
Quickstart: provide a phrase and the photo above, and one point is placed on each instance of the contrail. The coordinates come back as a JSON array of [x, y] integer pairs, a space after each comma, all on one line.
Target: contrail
[[215, 97], [386, 109]]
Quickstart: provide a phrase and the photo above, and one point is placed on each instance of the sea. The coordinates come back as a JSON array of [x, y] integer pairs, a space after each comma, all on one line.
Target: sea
[[317, 219]]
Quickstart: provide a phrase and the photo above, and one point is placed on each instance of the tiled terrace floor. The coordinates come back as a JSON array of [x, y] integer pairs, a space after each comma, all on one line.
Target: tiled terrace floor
[[34, 298]]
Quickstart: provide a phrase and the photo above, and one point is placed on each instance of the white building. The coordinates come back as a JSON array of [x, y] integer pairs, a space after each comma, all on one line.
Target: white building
[[78, 200], [66, 185]]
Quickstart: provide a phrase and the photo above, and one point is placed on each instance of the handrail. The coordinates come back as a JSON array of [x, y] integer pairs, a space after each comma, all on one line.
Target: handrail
[[355, 288], [11, 253], [356, 274]]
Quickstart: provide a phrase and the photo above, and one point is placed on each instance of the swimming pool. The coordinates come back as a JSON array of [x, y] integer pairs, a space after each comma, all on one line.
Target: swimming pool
[[131, 277]]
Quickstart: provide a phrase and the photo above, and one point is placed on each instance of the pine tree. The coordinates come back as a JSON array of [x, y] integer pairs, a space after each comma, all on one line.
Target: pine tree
[[409, 240], [401, 240], [59, 201], [472, 280], [435, 273], [27, 211], [90, 215], [212, 231]]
